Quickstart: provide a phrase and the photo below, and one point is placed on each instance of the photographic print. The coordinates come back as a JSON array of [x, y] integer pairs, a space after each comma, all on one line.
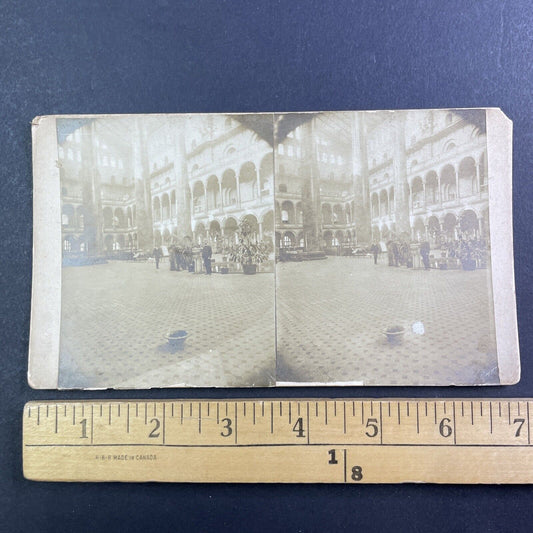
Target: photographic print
[[226, 250], [383, 234], [167, 269]]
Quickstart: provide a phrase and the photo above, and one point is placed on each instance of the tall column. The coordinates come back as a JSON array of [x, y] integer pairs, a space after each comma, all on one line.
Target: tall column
[[258, 175], [401, 187], [91, 193], [311, 204], [361, 215], [141, 179], [183, 200]]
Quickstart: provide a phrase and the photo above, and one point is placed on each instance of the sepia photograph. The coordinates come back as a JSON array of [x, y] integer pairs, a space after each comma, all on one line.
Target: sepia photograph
[[383, 237], [224, 250], [167, 247]]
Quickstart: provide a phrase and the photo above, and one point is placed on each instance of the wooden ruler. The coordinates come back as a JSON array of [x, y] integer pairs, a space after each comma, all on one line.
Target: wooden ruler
[[273, 440]]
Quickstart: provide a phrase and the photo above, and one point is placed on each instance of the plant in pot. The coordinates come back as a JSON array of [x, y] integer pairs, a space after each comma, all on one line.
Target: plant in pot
[[467, 255], [247, 251]]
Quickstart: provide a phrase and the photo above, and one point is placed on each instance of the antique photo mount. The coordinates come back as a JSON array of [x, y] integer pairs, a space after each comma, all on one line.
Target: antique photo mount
[[46, 317]]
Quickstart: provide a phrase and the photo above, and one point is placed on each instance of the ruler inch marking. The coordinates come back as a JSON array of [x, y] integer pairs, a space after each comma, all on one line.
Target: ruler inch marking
[[308, 426], [495, 445]]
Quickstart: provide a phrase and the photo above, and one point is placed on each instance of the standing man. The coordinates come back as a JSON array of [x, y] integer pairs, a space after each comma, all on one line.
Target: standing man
[[157, 256], [207, 252], [375, 249], [424, 252]]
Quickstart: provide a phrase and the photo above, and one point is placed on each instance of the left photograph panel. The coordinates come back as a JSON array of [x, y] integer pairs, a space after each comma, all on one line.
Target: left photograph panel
[[161, 229]]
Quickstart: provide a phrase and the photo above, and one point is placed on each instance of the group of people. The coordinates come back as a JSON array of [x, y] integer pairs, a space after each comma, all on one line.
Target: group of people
[[464, 248], [182, 257]]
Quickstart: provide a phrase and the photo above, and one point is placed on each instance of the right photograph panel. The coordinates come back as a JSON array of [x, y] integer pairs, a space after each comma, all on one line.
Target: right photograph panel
[[383, 272]]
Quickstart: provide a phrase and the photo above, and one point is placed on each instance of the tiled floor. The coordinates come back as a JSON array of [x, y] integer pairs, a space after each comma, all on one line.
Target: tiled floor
[[115, 316], [331, 314]]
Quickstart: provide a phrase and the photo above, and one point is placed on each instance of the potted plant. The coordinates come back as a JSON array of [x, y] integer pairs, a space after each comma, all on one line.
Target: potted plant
[[247, 251], [467, 255]]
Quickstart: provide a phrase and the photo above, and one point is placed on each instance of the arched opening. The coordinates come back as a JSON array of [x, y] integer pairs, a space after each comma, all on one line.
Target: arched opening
[[338, 214], [327, 217], [251, 220], [434, 230], [173, 204], [419, 230], [447, 183], [383, 203], [449, 226], [432, 188], [213, 193], [289, 240], [199, 233], [467, 177], [129, 217], [339, 238], [120, 242], [391, 200], [248, 182], [215, 233], [230, 230], [165, 206], [198, 198], [375, 205], [469, 223], [348, 213], [266, 172], [417, 192], [287, 212], [229, 188], [156, 209], [119, 220]]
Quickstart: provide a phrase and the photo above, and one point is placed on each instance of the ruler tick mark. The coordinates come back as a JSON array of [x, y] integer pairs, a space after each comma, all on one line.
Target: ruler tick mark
[[109, 414], [236, 423], [454, 431], [371, 408], [128, 419], [353, 408], [527, 412], [118, 408], [407, 408], [500, 409], [253, 412], [490, 413], [244, 409], [435, 411], [200, 417], [73, 414], [208, 404], [426, 408], [316, 409], [462, 409], [101, 410], [280, 409], [481, 408], [326, 412], [509, 411], [472, 412], [308, 427], [417, 420], [380, 423], [290, 413], [38, 415], [444, 407], [334, 408], [226, 409], [46, 410], [344, 416], [164, 422], [298, 407], [145, 413], [181, 413], [172, 410], [92, 423], [262, 408], [362, 413], [518, 408], [389, 408], [271, 417], [399, 416], [55, 429]]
